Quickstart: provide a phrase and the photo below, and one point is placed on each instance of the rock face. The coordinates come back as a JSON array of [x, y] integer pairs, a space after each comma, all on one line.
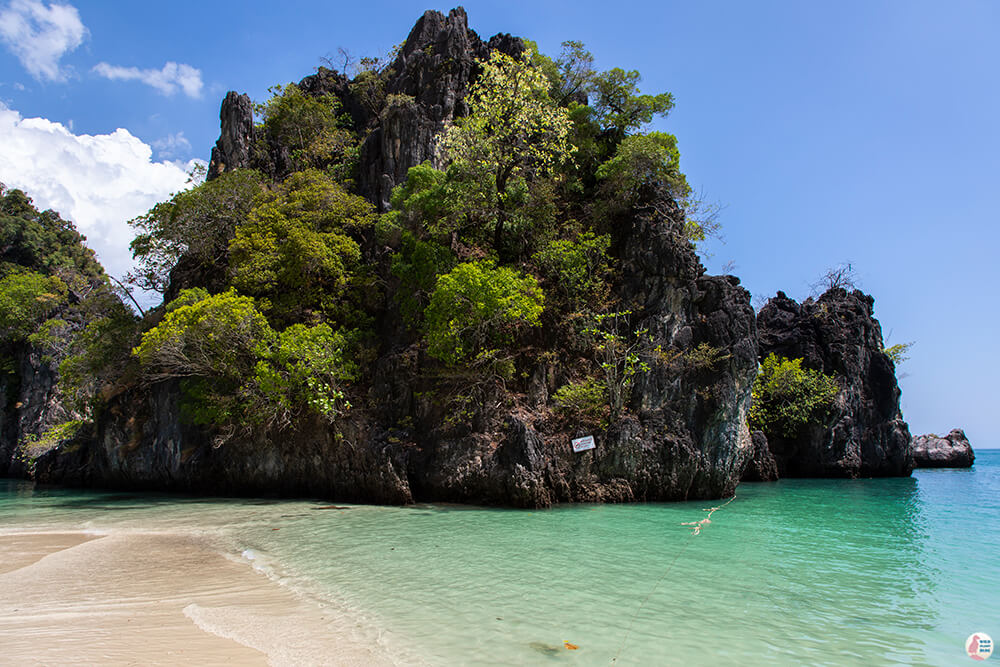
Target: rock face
[[234, 148], [838, 335], [760, 465], [683, 435], [434, 68], [425, 89], [951, 451], [28, 406]]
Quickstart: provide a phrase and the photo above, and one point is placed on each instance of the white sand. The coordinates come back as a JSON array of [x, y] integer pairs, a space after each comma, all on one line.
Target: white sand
[[157, 599]]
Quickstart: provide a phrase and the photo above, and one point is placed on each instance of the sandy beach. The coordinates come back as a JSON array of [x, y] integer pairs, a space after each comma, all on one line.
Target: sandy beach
[[157, 599]]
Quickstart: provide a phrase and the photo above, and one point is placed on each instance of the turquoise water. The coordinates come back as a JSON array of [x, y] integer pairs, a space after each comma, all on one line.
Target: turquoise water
[[834, 572]]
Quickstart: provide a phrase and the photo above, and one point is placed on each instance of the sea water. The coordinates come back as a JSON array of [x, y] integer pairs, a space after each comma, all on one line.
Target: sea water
[[836, 572]]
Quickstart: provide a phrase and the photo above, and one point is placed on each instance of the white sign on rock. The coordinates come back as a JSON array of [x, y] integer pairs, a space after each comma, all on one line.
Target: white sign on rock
[[584, 443]]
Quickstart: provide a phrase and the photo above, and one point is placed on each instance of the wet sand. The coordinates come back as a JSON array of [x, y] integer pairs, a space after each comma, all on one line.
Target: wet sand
[[158, 599]]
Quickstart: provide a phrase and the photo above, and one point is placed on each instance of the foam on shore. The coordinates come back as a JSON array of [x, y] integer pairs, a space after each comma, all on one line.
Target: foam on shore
[[158, 598]]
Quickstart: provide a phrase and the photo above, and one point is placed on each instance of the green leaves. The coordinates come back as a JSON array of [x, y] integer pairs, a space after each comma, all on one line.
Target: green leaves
[[621, 354], [514, 133], [585, 399], [306, 367], [417, 265], [787, 397], [620, 106], [25, 301], [311, 129], [216, 336], [513, 126], [296, 248], [40, 240], [577, 269], [240, 372], [641, 159], [478, 305], [198, 222], [898, 352]]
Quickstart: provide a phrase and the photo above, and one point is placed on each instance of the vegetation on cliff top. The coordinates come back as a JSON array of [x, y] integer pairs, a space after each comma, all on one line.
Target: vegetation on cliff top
[[282, 281], [510, 231], [56, 299]]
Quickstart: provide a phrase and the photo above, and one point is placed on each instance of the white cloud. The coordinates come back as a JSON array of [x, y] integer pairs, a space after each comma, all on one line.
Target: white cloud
[[40, 35], [97, 181], [169, 80], [172, 145]]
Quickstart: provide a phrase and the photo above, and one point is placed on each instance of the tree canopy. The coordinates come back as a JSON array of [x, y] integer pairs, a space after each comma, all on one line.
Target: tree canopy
[[199, 223], [297, 247], [514, 132], [477, 306]]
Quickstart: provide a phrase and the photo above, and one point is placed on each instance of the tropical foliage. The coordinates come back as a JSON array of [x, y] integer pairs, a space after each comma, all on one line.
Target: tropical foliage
[[478, 306], [788, 397]]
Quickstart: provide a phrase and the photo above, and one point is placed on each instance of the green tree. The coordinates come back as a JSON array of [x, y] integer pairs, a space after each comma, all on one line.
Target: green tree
[[898, 352], [199, 223], [787, 397], [577, 270], [217, 336], [653, 159], [239, 373], [440, 203], [478, 306], [311, 129], [513, 133], [41, 241], [620, 106], [641, 159], [586, 399], [571, 75], [307, 367], [97, 357], [417, 266], [621, 351], [26, 299], [297, 248]]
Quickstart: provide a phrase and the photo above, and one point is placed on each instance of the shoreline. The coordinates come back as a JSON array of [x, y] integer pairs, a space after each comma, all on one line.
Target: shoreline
[[124, 598]]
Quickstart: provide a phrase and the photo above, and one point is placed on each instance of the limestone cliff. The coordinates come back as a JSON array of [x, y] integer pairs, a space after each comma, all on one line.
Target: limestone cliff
[[838, 335], [682, 435], [427, 83]]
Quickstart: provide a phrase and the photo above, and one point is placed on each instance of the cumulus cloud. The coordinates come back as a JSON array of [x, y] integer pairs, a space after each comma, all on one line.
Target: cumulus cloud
[[97, 181], [169, 80], [172, 145], [40, 35]]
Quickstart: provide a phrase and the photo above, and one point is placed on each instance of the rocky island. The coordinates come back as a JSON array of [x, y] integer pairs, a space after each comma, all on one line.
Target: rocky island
[[950, 451], [421, 281]]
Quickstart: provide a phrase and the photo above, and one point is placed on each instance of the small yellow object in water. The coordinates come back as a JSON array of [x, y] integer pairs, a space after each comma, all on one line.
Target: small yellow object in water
[[571, 647]]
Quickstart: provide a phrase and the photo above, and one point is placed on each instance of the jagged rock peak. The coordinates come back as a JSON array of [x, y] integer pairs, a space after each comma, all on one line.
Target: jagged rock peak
[[233, 149], [838, 335], [434, 68], [434, 29], [950, 451]]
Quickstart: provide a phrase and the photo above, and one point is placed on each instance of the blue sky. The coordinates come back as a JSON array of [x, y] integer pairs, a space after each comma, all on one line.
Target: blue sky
[[863, 132]]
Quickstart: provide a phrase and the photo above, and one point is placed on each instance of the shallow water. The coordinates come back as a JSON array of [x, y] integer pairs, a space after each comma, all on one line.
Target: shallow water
[[831, 572]]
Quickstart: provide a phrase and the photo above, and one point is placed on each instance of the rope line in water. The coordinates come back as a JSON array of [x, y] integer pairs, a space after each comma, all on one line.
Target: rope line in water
[[696, 527]]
